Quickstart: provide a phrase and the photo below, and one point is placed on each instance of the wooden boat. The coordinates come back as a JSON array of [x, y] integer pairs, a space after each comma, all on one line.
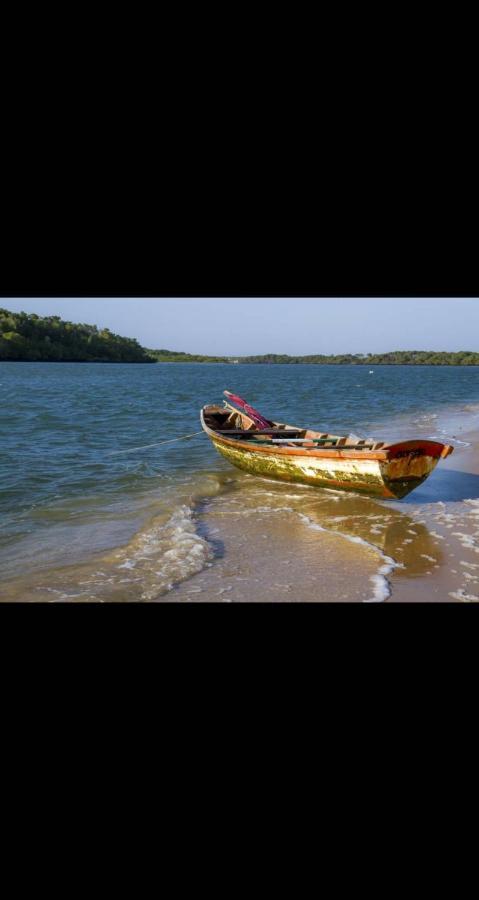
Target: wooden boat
[[286, 453]]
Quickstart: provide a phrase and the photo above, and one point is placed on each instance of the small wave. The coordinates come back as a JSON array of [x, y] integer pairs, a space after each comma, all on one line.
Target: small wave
[[451, 438], [166, 553], [461, 594], [425, 418], [382, 586], [254, 510]]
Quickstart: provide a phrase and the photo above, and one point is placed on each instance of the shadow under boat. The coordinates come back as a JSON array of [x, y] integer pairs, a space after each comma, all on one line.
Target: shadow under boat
[[448, 485]]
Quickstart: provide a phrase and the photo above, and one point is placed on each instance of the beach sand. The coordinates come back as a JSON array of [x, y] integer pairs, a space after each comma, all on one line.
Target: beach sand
[[312, 546], [447, 505], [249, 539]]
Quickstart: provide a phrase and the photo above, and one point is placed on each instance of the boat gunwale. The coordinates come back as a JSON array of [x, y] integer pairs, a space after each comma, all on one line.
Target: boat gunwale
[[278, 450], [384, 455]]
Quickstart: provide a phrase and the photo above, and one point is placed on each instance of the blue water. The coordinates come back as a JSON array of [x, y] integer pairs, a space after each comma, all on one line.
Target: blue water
[[64, 425]]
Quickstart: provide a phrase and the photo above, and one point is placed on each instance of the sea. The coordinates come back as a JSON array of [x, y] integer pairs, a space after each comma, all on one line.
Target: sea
[[109, 491]]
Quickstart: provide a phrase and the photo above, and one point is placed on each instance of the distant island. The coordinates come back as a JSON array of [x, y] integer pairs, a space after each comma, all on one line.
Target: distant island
[[174, 356], [31, 338], [394, 358]]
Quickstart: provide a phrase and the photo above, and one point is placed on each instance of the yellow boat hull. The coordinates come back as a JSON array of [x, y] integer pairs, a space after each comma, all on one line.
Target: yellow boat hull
[[388, 471], [364, 476]]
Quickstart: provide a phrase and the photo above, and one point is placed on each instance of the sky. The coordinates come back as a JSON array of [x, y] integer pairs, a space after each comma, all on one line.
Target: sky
[[298, 326]]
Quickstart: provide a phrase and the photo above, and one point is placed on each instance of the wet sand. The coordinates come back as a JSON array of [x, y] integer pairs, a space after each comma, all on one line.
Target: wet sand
[[325, 546], [246, 539], [448, 506]]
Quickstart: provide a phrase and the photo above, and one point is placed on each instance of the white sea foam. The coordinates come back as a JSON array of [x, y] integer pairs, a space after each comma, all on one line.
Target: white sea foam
[[467, 541], [382, 587], [425, 418], [283, 495], [254, 510], [446, 517], [166, 553], [461, 595]]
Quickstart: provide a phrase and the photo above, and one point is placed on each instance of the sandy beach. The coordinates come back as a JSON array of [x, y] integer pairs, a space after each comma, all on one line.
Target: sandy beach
[[248, 539], [91, 515], [448, 507], [341, 547]]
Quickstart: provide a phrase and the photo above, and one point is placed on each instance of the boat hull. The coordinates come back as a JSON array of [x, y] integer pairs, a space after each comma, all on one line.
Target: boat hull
[[366, 476], [389, 471]]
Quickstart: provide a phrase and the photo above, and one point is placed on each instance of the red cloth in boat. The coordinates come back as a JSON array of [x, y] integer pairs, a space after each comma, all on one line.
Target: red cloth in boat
[[250, 411]]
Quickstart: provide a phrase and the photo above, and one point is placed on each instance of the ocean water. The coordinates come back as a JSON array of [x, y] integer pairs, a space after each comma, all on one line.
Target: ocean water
[[87, 516]]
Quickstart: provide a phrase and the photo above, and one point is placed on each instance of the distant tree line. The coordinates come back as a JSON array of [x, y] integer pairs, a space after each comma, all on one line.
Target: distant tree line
[[395, 358], [26, 336], [173, 356]]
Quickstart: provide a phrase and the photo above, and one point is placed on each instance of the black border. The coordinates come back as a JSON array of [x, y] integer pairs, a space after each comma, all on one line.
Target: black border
[[275, 654], [98, 245]]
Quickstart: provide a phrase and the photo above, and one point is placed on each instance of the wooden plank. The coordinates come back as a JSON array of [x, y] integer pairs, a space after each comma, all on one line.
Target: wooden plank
[[305, 440], [316, 442], [287, 438], [267, 431]]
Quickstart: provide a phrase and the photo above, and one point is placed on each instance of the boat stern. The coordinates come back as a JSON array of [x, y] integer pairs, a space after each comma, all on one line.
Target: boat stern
[[409, 463]]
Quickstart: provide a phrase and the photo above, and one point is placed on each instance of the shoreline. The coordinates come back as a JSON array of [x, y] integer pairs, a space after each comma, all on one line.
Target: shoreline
[[232, 537], [347, 548], [449, 507], [226, 362]]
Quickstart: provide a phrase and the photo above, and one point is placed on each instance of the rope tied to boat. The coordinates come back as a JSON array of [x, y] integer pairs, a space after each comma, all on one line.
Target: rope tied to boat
[[182, 437]]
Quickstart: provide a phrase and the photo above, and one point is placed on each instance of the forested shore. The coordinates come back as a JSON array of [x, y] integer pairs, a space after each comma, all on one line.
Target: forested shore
[[178, 356], [31, 338], [394, 358]]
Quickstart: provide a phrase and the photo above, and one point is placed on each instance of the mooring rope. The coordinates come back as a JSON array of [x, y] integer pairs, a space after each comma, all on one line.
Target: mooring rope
[[182, 437]]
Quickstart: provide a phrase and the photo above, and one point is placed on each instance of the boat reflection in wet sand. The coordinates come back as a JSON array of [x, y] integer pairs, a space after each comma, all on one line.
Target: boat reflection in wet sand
[[284, 452]]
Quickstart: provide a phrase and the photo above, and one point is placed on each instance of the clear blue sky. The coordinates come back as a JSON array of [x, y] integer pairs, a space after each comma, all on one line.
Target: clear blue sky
[[233, 326]]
